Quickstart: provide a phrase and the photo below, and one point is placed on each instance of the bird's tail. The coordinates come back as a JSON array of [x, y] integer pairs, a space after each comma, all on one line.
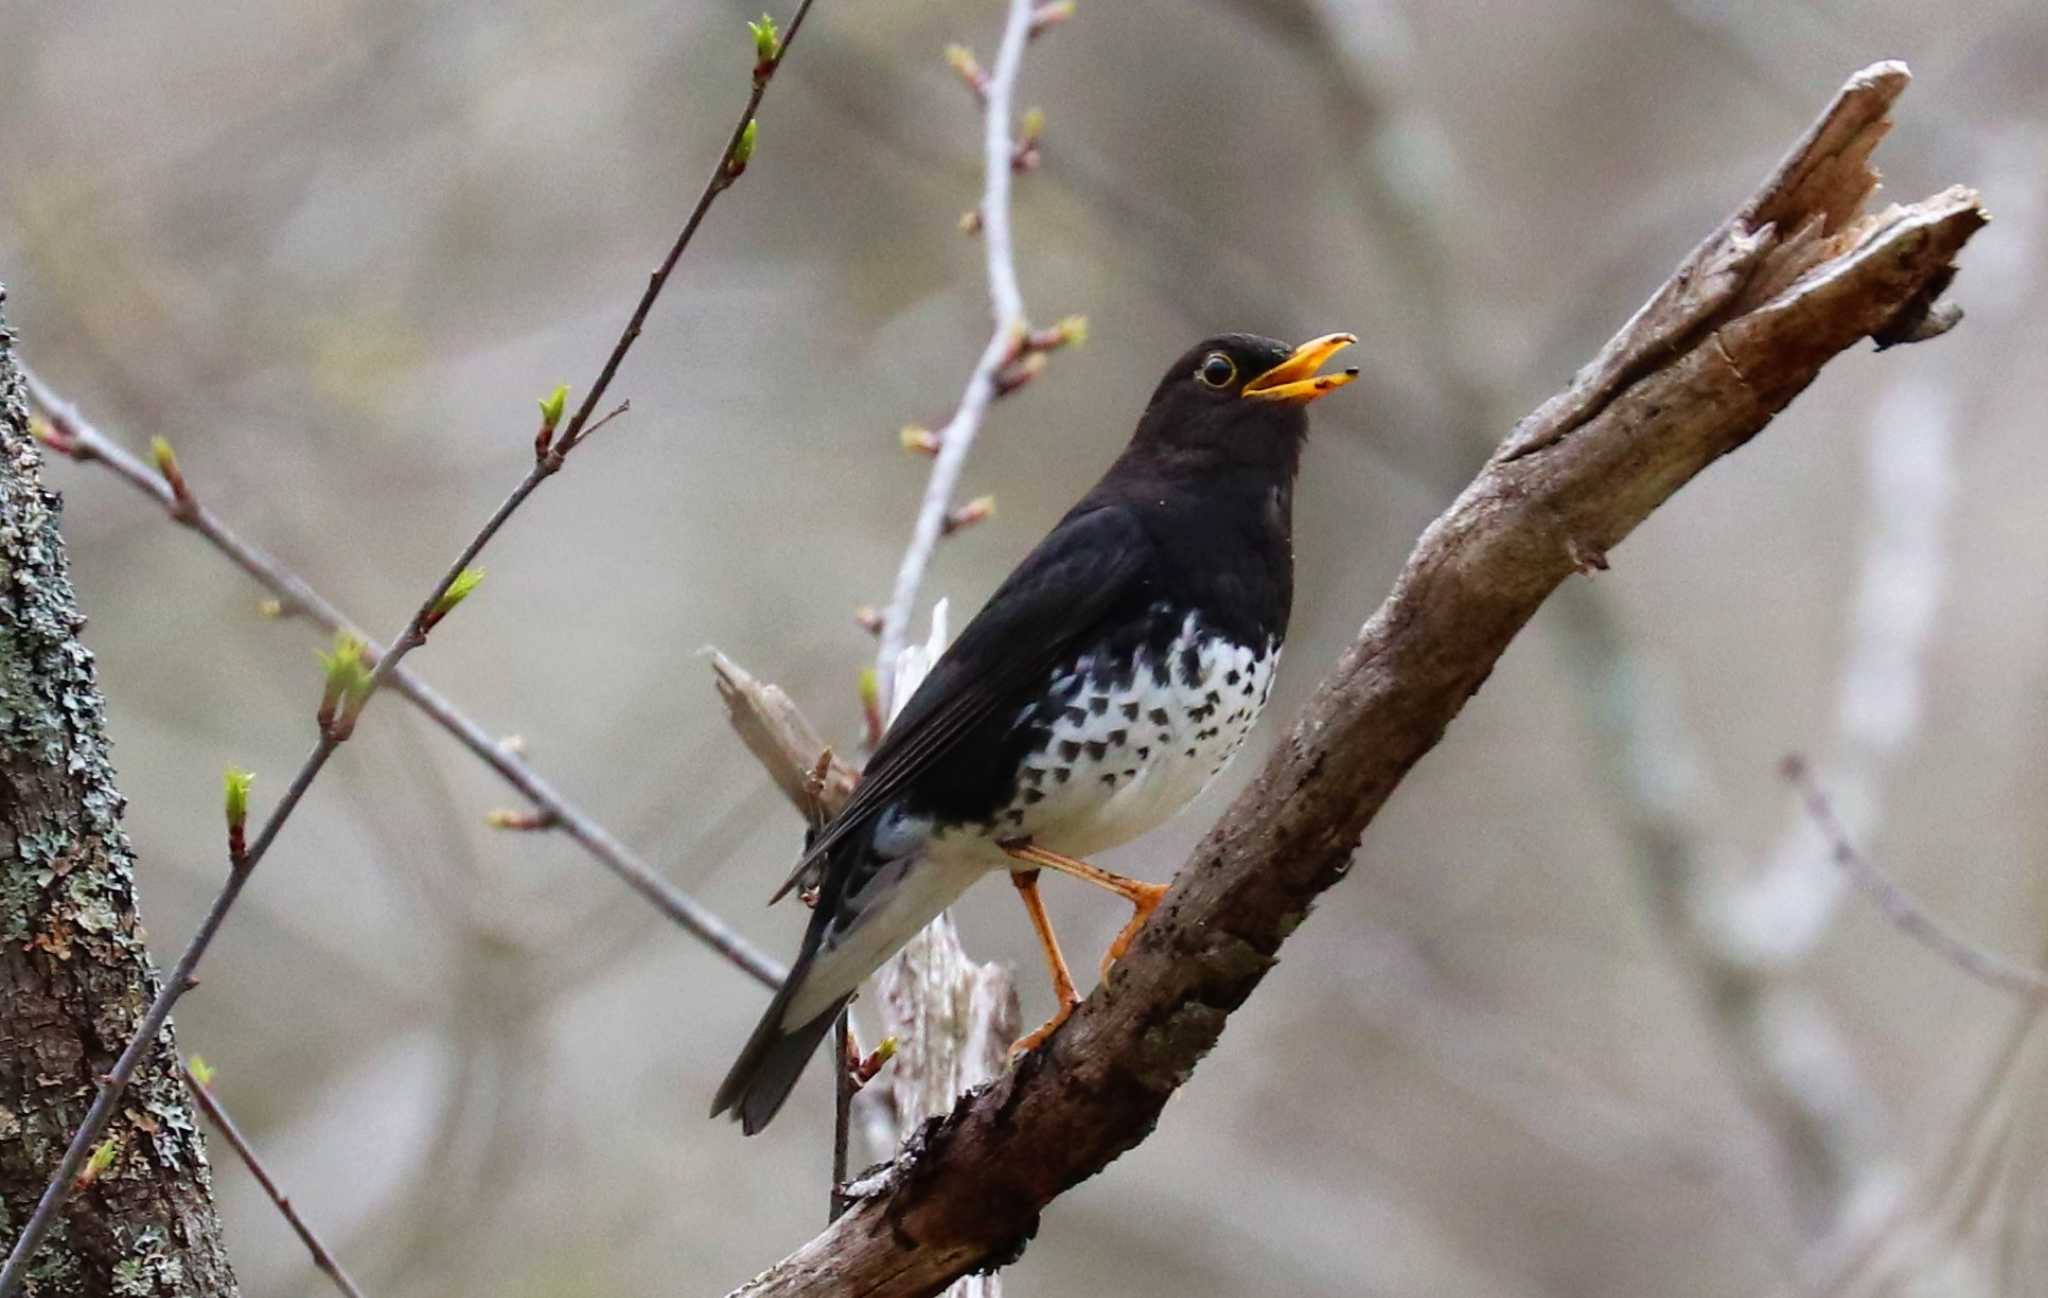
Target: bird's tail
[[870, 905], [774, 1058], [768, 1068]]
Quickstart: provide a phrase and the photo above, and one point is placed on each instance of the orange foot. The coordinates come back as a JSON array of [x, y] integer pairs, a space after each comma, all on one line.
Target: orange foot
[[1035, 1038], [1144, 899], [1062, 981]]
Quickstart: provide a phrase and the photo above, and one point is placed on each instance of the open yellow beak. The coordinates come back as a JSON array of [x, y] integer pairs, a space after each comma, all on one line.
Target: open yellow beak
[[1295, 379]]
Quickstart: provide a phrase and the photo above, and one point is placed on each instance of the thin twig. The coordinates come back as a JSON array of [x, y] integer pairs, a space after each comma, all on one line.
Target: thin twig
[[843, 1087], [1006, 304], [1898, 906], [331, 737], [217, 1113], [87, 443], [722, 177]]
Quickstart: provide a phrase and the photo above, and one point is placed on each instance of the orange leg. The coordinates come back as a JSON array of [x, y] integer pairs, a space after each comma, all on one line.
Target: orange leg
[[1144, 897], [1062, 981]]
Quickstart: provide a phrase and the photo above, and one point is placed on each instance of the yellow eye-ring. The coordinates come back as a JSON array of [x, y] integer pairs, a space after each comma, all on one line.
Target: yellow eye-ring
[[1217, 370]]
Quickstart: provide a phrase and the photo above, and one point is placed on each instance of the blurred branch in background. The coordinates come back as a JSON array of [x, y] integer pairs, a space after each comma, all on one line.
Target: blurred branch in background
[[1972, 1224], [1811, 1101], [200, 1079], [351, 684], [1749, 935], [1796, 276], [1897, 906]]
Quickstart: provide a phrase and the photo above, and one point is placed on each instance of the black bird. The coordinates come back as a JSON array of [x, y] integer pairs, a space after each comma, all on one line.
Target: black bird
[[1102, 687]]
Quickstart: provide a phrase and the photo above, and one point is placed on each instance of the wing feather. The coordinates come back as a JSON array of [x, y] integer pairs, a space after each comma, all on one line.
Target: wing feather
[[1094, 561]]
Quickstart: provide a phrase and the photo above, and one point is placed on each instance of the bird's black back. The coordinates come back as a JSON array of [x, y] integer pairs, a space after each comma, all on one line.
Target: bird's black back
[[1226, 557]]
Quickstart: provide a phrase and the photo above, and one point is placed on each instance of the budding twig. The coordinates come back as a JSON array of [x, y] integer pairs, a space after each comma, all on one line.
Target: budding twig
[[742, 150], [1015, 375], [458, 590], [1001, 358], [522, 821], [722, 178], [1048, 16], [1025, 157], [1070, 331], [337, 728], [978, 510], [767, 47], [199, 1078], [102, 1161], [871, 706], [968, 69], [864, 1067], [347, 683], [237, 783], [550, 415], [174, 477], [59, 439]]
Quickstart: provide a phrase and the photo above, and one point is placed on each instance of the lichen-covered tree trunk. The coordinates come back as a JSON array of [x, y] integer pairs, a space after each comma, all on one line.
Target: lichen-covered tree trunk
[[75, 975]]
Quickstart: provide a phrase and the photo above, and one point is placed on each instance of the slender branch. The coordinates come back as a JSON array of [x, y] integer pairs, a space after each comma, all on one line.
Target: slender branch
[[843, 1088], [1898, 906], [217, 1113], [546, 464], [730, 165], [1006, 305], [1744, 325], [82, 441]]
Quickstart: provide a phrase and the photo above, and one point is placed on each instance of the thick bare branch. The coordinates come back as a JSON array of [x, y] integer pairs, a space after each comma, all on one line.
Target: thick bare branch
[[782, 739], [1745, 325]]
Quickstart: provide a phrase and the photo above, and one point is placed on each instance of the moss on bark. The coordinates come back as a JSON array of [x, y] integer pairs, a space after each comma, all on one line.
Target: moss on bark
[[75, 972]]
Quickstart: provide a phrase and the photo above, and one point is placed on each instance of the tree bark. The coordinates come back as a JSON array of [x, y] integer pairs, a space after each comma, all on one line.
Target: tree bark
[[75, 972], [1795, 277]]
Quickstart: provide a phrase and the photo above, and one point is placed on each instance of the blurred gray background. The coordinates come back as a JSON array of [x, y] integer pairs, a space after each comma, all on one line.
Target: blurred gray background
[[1591, 1018]]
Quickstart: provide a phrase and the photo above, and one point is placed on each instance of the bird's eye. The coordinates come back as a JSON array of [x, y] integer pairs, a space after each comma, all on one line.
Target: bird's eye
[[1217, 370]]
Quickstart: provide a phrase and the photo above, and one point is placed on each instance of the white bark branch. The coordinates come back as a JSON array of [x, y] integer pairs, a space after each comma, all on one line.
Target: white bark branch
[[1006, 304]]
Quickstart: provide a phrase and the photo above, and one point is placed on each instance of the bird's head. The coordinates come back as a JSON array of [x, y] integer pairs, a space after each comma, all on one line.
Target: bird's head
[[1238, 400]]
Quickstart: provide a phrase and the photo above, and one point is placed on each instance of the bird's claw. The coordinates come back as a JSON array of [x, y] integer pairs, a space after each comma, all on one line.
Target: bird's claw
[[1035, 1038], [1144, 901]]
